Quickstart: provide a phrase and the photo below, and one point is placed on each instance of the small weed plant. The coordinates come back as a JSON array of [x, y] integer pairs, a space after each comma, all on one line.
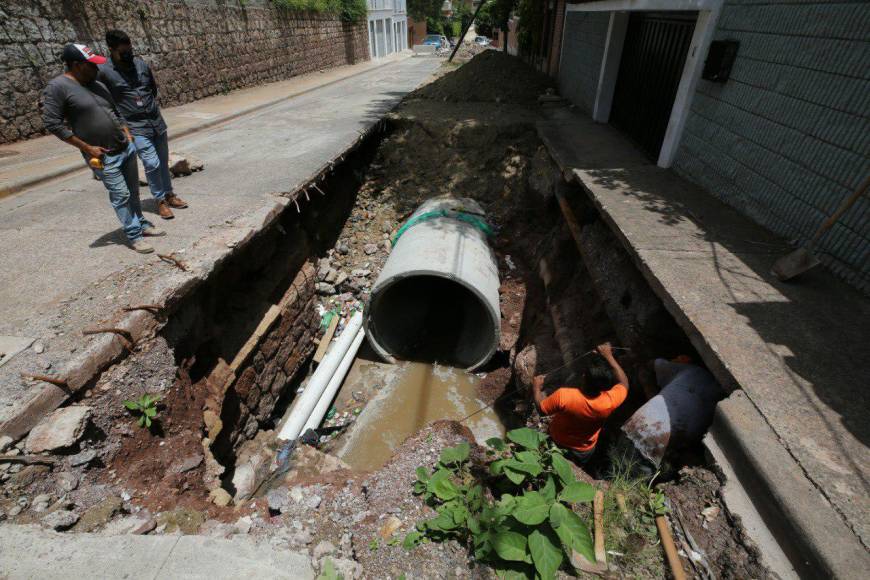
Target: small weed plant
[[522, 523], [145, 408]]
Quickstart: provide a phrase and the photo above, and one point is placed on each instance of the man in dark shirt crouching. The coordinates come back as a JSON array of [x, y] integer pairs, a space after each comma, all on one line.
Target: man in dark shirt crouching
[[80, 110]]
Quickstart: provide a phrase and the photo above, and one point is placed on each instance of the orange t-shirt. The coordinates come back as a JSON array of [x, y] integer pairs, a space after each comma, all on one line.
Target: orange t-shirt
[[578, 419]]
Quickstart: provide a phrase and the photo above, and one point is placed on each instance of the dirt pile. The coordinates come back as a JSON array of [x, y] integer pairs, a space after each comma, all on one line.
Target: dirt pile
[[469, 50], [491, 76]]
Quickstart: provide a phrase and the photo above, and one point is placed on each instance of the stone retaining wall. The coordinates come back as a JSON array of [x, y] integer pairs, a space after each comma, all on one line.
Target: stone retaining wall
[[197, 48], [277, 359]]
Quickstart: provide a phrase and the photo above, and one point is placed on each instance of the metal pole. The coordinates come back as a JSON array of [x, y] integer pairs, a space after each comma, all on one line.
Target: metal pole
[[464, 32]]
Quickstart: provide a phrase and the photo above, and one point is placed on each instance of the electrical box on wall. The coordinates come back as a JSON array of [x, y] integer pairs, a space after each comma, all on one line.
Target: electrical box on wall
[[720, 59]]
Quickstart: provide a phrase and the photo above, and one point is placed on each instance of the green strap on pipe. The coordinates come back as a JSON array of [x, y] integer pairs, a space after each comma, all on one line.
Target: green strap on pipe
[[469, 218]]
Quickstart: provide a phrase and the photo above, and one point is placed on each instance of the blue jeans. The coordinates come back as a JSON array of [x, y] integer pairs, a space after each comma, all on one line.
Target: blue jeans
[[120, 176], [154, 153]]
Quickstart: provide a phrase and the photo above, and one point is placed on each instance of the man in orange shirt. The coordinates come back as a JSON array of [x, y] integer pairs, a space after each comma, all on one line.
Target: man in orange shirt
[[580, 412]]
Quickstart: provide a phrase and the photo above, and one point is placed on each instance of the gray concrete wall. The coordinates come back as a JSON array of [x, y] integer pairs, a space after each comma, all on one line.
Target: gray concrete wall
[[582, 51], [787, 138]]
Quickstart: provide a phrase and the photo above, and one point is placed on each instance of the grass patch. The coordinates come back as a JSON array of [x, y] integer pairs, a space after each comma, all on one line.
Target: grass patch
[[629, 529]]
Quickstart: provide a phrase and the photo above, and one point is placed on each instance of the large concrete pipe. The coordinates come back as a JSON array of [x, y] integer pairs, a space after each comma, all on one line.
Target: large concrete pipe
[[436, 299]]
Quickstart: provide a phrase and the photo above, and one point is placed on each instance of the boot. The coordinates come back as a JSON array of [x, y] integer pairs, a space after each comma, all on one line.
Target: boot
[[141, 246], [164, 211], [175, 202]]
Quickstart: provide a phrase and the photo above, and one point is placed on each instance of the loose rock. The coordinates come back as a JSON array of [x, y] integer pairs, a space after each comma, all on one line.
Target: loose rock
[[278, 499], [188, 463], [220, 497], [324, 548], [349, 569], [60, 519], [390, 527], [41, 502], [181, 165], [67, 481], [62, 428], [82, 458], [324, 289]]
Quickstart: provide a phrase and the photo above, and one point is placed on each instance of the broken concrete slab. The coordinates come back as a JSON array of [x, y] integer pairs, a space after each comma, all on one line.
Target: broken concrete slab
[[63, 428], [181, 164], [12, 345]]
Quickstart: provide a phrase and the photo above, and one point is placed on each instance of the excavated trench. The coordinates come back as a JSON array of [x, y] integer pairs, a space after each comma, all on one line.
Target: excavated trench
[[243, 341]]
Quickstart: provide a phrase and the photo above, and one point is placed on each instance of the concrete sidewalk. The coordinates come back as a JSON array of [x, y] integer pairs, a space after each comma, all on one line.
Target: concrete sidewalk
[[31, 552], [27, 163], [798, 427]]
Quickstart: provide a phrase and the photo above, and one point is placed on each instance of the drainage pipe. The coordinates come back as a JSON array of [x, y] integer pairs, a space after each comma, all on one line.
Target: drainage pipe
[[436, 299], [319, 380], [334, 383]]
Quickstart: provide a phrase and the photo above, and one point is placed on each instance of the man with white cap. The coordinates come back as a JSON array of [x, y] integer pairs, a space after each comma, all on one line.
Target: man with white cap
[[80, 110]]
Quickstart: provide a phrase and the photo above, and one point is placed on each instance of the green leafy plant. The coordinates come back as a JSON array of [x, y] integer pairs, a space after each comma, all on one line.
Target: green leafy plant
[[522, 523], [656, 506], [349, 10], [145, 408]]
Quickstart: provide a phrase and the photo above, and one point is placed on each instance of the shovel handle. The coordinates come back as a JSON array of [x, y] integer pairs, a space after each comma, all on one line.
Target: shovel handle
[[847, 203]]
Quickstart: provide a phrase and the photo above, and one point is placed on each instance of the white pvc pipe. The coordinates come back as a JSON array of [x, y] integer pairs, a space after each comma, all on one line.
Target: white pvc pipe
[[319, 380], [334, 383]]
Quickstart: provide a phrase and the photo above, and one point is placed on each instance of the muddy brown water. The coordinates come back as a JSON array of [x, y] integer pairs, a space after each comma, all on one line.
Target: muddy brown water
[[410, 396]]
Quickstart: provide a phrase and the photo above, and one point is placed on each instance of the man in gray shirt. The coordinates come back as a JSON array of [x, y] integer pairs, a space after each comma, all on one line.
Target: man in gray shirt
[[134, 89], [80, 110]]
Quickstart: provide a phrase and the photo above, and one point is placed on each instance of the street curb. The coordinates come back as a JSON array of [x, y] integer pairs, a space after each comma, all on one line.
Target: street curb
[[18, 185], [816, 541]]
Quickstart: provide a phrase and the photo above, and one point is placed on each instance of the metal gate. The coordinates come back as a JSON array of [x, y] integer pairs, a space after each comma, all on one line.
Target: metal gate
[[656, 45]]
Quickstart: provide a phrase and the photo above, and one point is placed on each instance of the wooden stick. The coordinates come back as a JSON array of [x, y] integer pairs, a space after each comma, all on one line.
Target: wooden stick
[[142, 307], [670, 549], [598, 510], [173, 260], [58, 382], [620, 501], [327, 338], [27, 459]]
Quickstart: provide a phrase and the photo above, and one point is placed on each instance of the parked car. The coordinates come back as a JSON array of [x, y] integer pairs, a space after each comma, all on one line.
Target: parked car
[[437, 40], [482, 41]]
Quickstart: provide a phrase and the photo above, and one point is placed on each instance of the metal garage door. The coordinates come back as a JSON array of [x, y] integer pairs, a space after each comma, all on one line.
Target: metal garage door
[[656, 45]]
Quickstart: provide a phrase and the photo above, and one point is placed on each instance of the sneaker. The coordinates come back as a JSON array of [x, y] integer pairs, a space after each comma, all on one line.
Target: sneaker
[[153, 231], [175, 202], [141, 246], [164, 211]]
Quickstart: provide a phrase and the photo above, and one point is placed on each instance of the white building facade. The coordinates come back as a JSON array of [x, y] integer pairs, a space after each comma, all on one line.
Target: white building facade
[[388, 27]]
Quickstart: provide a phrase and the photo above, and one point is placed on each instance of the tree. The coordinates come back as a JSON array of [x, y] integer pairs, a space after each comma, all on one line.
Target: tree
[[422, 9], [495, 16]]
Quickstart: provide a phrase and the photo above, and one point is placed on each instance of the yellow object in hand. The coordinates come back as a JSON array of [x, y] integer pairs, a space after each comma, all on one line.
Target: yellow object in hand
[[96, 163]]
